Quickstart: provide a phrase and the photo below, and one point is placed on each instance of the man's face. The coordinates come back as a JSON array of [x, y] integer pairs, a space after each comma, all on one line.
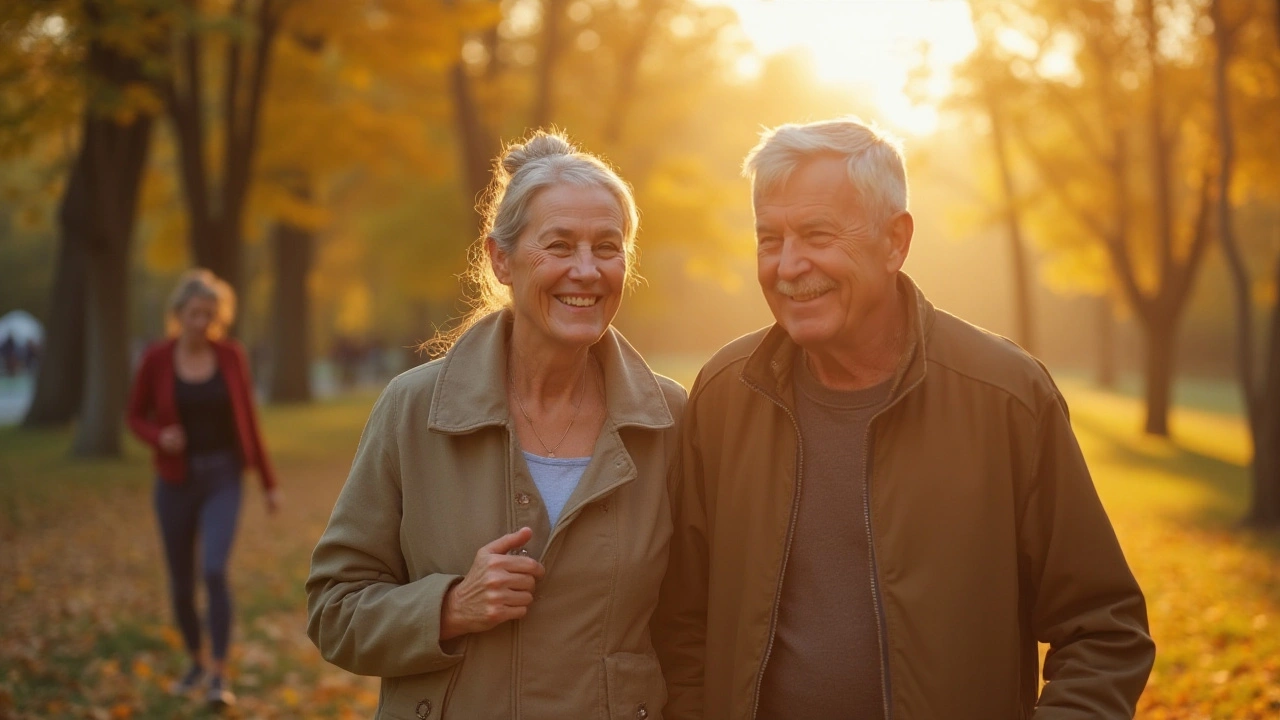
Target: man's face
[[823, 269]]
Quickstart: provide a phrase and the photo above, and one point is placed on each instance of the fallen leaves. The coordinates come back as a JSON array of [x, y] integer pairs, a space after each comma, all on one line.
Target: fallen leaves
[[88, 631]]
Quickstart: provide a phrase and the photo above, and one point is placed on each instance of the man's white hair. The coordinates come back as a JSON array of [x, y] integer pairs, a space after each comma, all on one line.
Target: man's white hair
[[873, 158]]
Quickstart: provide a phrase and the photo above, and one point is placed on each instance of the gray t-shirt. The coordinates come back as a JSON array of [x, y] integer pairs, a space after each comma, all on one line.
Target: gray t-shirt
[[556, 479], [825, 661]]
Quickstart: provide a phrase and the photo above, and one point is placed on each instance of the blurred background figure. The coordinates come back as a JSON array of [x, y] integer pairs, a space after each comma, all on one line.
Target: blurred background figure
[[192, 402], [21, 335]]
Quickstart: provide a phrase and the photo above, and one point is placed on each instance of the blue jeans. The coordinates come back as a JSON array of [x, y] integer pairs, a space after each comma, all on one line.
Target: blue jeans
[[207, 504]]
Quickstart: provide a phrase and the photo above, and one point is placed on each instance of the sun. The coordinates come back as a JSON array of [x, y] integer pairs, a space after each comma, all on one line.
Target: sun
[[872, 45]]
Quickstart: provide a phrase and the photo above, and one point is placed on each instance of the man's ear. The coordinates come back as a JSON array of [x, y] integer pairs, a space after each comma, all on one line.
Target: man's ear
[[899, 231], [498, 261]]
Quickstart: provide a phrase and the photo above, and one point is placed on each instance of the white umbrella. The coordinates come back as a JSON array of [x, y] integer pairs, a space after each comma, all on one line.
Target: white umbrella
[[21, 326]]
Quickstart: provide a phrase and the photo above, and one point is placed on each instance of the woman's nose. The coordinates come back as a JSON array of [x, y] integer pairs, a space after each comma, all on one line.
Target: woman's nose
[[585, 265]]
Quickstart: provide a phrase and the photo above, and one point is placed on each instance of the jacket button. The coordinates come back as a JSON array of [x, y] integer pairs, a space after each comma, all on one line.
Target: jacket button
[[424, 709], [522, 498], [604, 506], [642, 712]]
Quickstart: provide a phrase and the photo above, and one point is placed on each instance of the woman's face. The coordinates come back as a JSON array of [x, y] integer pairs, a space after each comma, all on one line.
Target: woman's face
[[568, 267], [197, 315]]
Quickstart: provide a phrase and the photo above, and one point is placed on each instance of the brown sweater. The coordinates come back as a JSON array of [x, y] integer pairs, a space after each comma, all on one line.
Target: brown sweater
[[826, 656]]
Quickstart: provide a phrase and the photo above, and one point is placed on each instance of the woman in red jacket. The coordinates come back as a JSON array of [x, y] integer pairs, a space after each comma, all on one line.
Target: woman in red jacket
[[192, 401]]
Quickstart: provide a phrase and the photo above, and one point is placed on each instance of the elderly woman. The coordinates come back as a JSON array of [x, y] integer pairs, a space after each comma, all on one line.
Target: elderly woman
[[498, 546], [192, 402]]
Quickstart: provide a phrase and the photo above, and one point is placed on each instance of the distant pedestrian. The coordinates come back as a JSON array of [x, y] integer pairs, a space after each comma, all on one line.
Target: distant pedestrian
[[192, 401], [8, 355]]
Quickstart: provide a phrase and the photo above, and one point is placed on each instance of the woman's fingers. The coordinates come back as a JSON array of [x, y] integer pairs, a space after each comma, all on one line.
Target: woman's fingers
[[498, 587], [507, 543]]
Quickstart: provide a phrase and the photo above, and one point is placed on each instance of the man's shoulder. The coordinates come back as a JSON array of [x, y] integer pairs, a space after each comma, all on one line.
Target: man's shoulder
[[726, 364], [974, 354]]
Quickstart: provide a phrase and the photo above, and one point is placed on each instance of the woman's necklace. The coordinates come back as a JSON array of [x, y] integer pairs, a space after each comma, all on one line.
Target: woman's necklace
[[582, 393]]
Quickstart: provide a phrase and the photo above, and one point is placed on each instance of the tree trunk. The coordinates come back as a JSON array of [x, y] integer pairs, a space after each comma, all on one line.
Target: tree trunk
[[476, 145], [291, 339], [1265, 506], [215, 202], [552, 20], [115, 154], [60, 380], [1161, 340], [1106, 343], [107, 363], [1022, 297], [629, 72]]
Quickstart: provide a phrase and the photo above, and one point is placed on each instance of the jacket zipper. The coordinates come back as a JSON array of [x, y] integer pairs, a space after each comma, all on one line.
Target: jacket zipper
[[882, 631], [786, 555]]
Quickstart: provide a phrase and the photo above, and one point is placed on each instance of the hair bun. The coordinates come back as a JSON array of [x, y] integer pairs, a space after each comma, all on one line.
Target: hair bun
[[540, 144]]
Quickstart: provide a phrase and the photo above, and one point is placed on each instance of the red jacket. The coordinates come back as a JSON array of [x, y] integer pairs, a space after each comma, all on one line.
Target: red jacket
[[152, 406]]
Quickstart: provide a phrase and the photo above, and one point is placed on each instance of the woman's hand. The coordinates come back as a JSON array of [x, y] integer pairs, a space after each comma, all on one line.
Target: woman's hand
[[172, 439], [498, 588]]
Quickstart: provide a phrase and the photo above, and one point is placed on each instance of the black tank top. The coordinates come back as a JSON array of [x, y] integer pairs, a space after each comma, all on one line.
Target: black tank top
[[207, 419]]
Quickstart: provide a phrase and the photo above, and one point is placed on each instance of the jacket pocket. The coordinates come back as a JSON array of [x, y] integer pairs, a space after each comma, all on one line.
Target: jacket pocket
[[418, 697], [634, 685]]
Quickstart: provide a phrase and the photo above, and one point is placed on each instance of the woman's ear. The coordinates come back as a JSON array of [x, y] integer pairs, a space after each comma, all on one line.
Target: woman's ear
[[498, 261]]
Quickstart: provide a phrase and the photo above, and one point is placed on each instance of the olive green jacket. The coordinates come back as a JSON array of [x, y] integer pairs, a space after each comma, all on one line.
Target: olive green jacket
[[987, 536], [437, 475]]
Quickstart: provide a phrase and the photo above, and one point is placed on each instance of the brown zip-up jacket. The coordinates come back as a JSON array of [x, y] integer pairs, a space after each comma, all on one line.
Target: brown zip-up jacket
[[438, 474], [987, 536]]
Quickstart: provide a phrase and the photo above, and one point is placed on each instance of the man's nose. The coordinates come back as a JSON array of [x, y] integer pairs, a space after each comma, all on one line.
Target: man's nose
[[792, 261]]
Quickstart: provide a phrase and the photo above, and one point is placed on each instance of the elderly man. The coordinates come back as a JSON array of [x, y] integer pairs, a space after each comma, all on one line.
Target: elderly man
[[880, 509]]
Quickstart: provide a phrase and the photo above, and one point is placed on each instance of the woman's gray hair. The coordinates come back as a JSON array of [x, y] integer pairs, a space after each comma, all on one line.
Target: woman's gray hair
[[199, 282], [873, 158], [542, 160]]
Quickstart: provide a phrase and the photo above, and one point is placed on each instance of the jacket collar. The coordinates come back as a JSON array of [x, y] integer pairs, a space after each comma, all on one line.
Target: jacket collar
[[769, 366], [471, 391]]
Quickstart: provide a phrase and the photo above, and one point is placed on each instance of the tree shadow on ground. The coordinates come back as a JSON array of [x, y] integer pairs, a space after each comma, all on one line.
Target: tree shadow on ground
[[1221, 487]]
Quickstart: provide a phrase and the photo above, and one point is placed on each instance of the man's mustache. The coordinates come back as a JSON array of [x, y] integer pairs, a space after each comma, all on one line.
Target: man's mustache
[[805, 287]]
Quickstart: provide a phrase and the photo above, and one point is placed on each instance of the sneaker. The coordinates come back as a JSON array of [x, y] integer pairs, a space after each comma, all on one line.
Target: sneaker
[[188, 682], [218, 695]]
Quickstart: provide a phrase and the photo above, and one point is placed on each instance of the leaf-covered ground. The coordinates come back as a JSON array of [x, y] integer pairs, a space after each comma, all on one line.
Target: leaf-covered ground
[[85, 629]]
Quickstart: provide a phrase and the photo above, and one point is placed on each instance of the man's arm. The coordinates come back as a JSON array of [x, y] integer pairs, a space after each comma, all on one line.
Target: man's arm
[[679, 626], [1085, 602]]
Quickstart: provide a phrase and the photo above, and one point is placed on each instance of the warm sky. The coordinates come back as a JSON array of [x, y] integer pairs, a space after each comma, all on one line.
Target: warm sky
[[866, 43]]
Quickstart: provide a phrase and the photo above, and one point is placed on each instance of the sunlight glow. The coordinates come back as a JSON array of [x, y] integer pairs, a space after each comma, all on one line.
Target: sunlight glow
[[868, 44]]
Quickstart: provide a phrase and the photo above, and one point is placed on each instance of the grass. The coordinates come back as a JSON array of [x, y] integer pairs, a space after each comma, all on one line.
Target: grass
[[1213, 588], [86, 630]]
